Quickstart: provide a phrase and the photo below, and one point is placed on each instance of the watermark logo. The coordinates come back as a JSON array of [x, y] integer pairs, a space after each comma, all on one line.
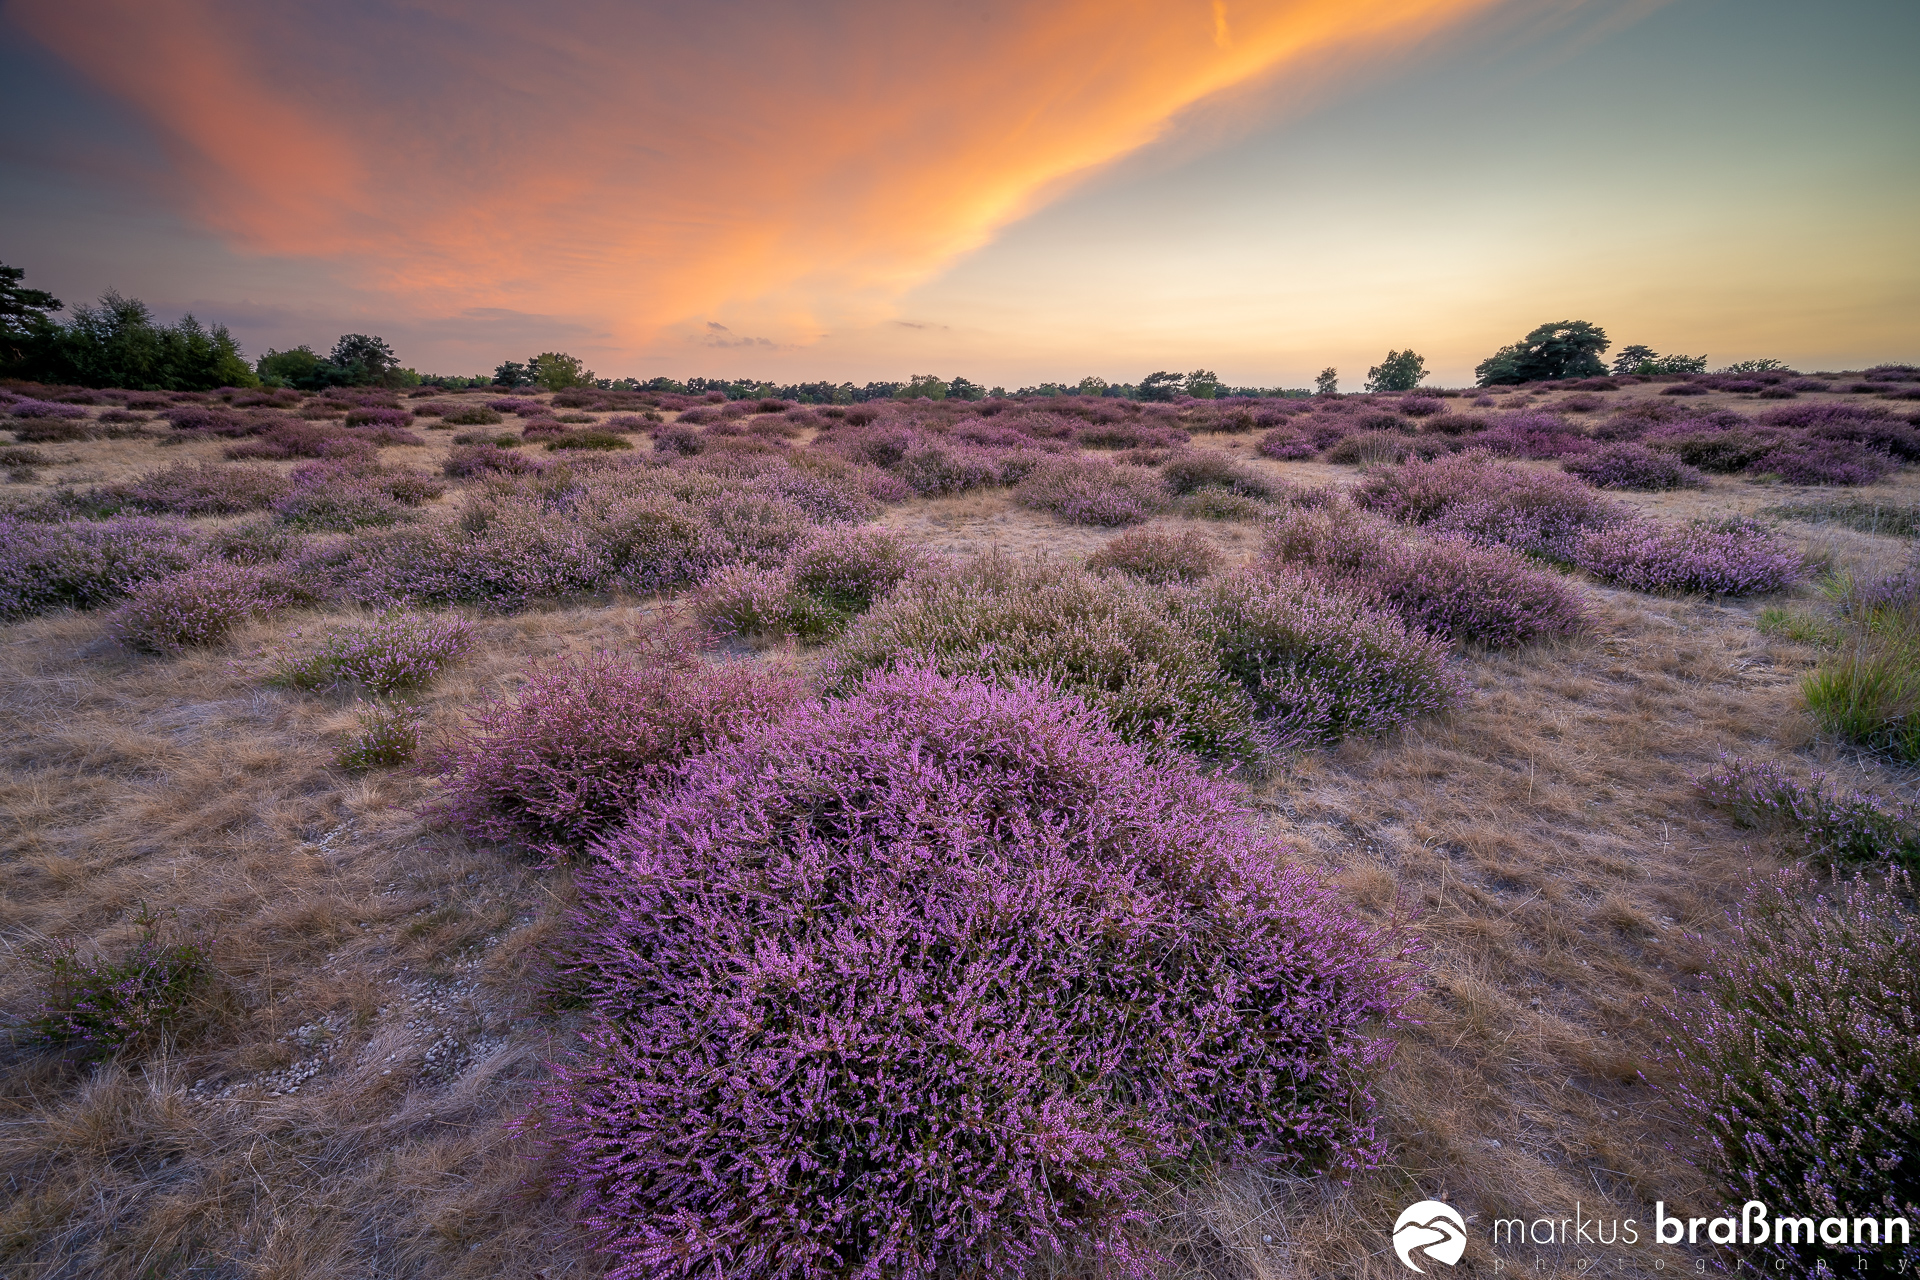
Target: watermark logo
[[1430, 1230]]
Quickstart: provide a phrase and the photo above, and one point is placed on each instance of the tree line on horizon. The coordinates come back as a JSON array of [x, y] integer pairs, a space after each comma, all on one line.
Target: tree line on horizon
[[118, 343]]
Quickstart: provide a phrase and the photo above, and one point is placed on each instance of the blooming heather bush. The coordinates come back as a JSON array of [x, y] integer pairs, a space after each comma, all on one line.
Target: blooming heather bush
[[519, 406], [1101, 638], [1532, 435], [738, 599], [387, 736], [255, 542], [1831, 462], [1022, 968], [850, 569], [1223, 504], [101, 1005], [675, 438], [199, 606], [378, 417], [394, 654], [1288, 444], [1536, 512], [1451, 586], [87, 563], [488, 458], [1422, 406], [1733, 557], [1152, 555], [1629, 465], [1092, 491], [1318, 664], [338, 507], [586, 739], [1714, 446], [30, 408], [1832, 823], [472, 415], [1371, 448], [1800, 1061], [297, 439], [1205, 468]]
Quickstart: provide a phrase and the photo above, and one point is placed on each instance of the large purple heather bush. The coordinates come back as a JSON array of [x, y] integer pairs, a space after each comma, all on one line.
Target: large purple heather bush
[[1733, 557], [1316, 664], [582, 741], [1800, 1065], [396, 653], [1449, 585], [1092, 491], [201, 605], [943, 977], [1830, 822], [1540, 513], [1631, 465], [87, 563]]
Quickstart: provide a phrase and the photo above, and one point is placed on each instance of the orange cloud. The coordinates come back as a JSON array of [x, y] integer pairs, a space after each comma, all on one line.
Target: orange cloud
[[650, 165]]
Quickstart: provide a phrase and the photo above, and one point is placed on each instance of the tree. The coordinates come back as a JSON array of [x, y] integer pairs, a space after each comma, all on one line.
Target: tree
[[962, 389], [1161, 385], [1564, 349], [1092, 386], [923, 384], [1400, 371], [1328, 383], [302, 367], [557, 371], [1642, 360], [26, 315], [1752, 366], [511, 374], [362, 360], [1631, 358], [118, 344], [1203, 384]]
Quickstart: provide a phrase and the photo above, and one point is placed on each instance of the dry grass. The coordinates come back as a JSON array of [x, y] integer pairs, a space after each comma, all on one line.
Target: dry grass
[[340, 1106]]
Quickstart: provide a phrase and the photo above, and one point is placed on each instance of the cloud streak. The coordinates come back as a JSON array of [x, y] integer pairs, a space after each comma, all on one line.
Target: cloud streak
[[638, 165]]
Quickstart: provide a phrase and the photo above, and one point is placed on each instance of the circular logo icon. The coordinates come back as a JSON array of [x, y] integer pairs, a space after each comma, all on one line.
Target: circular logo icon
[[1431, 1231]]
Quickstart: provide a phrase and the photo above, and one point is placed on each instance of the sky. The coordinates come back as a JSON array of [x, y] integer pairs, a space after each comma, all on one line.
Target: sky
[[1015, 192]]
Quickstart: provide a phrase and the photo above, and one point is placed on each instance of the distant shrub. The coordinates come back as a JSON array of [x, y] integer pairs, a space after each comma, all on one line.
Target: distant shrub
[[472, 415], [601, 440], [256, 542], [1536, 512], [1532, 435], [1716, 446], [1000, 911], [199, 606], [397, 653], [1422, 406], [101, 1005], [466, 461], [387, 736], [1832, 823], [1223, 504], [1630, 465], [1372, 448], [1451, 586], [87, 563], [1825, 462], [519, 406], [377, 417], [348, 504], [586, 739], [1153, 556], [1288, 444], [1798, 1063], [30, 408], [1683, 389], [632, 422], [1204, 468], [54, 430], [851, 568], [1092, 491], [1316, 664], [297, 439], [1100, 638], [1732, 557]]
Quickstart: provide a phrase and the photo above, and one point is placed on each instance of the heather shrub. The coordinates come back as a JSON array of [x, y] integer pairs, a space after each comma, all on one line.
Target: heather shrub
[[1733, 557], [1315, 664], [1683, 389], [1714, 447], [1024, 969], [338, 507], [1223, 504], [1422, 406], [472, 415], [1152, 555], [199, 606], [485, 459], [1100, 638], [1371, 448], [519, 406], [1532, 435], [605, 441], [297, 439], [1630, 465], [1195, 469], [53, 430], [44, 409], [378, 417], [586, 739], [101, 1005], [1092, 491], [1829, 822], [1535, 512], [851, 568], [1828, 462], [396, 653], [87, 563], [1288, 444], [1451, 586], [1799, 1064], [386, 737], [738, 599]]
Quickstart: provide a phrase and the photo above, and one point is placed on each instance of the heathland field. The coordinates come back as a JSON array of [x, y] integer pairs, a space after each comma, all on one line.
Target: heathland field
[[466, 834]]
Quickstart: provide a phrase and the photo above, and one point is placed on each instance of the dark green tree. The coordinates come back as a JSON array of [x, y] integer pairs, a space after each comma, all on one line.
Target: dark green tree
[[26, 315], [511, 373], [1327, 383], [1631, 358], [1400, 371], [1161, 385], [302, 367], [118, 344], [965, 389], [363, 360], [1565, 349], [1203, 384]]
